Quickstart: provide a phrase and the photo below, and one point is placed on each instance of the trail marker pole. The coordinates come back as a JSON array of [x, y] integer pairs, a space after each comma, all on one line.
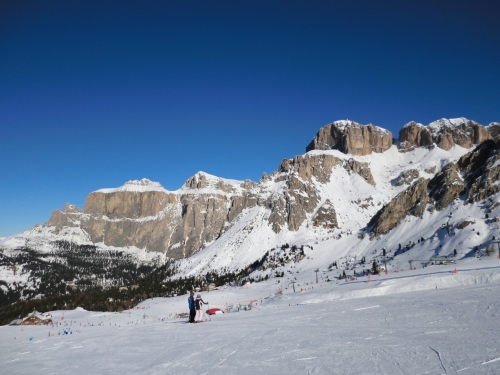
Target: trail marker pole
[[316, 270]]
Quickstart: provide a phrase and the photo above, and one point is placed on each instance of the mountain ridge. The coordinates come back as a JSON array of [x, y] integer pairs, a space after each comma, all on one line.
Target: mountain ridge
[[212, 223]]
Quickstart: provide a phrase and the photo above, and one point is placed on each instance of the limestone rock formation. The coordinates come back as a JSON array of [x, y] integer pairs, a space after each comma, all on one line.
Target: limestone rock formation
[[351, 138], [494, 129], [474, 177], [476, 174], [406, 177], [298, 195], [180, 223], [361, 169], [463, 224], [481, 170], [326, 216], [414, 135], [143, 214], [445, 133], [414, 198], [446, 186]]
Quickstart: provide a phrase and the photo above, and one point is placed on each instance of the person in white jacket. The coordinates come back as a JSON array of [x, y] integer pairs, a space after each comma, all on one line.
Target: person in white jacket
[[199, 308]]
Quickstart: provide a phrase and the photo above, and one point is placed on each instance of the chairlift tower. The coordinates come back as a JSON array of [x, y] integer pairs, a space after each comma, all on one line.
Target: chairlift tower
[[316, 270], [293, 284]]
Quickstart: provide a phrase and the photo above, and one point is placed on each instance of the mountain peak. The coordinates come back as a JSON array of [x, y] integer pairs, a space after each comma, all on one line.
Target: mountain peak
[[445, 133], [203, 180], [350, 137]]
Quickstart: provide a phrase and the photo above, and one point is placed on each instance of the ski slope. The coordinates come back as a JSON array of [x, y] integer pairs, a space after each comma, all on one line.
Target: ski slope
[[427, 321]]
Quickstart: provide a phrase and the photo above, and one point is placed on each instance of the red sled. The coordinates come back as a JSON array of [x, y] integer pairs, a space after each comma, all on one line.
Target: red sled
[[214, 311]]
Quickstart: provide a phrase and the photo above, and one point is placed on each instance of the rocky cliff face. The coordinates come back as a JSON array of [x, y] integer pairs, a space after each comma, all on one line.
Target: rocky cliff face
[[153, 218], [480, 170], [406, 177], [351, 138], [494, 129], [474, 177], [299, 195], [412, 200], [444, 133], [326, 216], [180, 223]]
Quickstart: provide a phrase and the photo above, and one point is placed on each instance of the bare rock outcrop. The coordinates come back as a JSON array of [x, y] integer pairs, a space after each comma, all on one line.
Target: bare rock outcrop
[[412, 200], [180, 223], [445, 133], [406, 177], [361, 169], [68, 217], [446, 186], [300, 196], [351, 138], [463, 224], [326, 216], [494, 129], [481, 170], [145, 215], [474, 177], [414, 135]]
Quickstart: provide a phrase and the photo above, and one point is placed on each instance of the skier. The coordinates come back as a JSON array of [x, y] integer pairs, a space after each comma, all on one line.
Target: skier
[[199, 310], [192, 307]]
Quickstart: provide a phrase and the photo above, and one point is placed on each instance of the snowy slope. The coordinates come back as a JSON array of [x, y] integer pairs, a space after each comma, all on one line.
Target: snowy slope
[[436, 323], [355, 202]]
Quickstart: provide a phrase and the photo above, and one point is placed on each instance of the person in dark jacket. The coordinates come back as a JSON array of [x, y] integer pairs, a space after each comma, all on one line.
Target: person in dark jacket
[[192, 307], [199, 308]]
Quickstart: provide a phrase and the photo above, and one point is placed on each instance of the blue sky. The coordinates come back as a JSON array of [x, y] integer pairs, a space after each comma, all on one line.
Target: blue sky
[[94, 93]]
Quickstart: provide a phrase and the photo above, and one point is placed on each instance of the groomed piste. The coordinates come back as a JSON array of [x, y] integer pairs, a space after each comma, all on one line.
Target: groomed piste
[[437, 320]]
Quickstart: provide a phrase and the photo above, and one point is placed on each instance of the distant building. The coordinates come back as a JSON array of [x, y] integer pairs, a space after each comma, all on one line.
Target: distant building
[[442, 260], [210, 286], [34, 319]]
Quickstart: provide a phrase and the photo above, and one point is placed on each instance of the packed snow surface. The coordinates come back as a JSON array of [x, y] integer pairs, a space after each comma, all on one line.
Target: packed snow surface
[[430, 321]]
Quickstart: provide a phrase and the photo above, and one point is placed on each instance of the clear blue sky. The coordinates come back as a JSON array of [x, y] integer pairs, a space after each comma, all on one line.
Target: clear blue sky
[[95, 93]]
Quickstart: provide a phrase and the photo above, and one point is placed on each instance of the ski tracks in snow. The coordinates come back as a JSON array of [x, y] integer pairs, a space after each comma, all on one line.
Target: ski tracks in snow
[[481, 364], [440, 360], [230, 354], [366, 308]]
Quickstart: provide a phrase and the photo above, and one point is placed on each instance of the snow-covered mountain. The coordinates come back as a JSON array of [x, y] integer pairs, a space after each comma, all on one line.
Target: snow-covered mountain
[[355, 192]]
